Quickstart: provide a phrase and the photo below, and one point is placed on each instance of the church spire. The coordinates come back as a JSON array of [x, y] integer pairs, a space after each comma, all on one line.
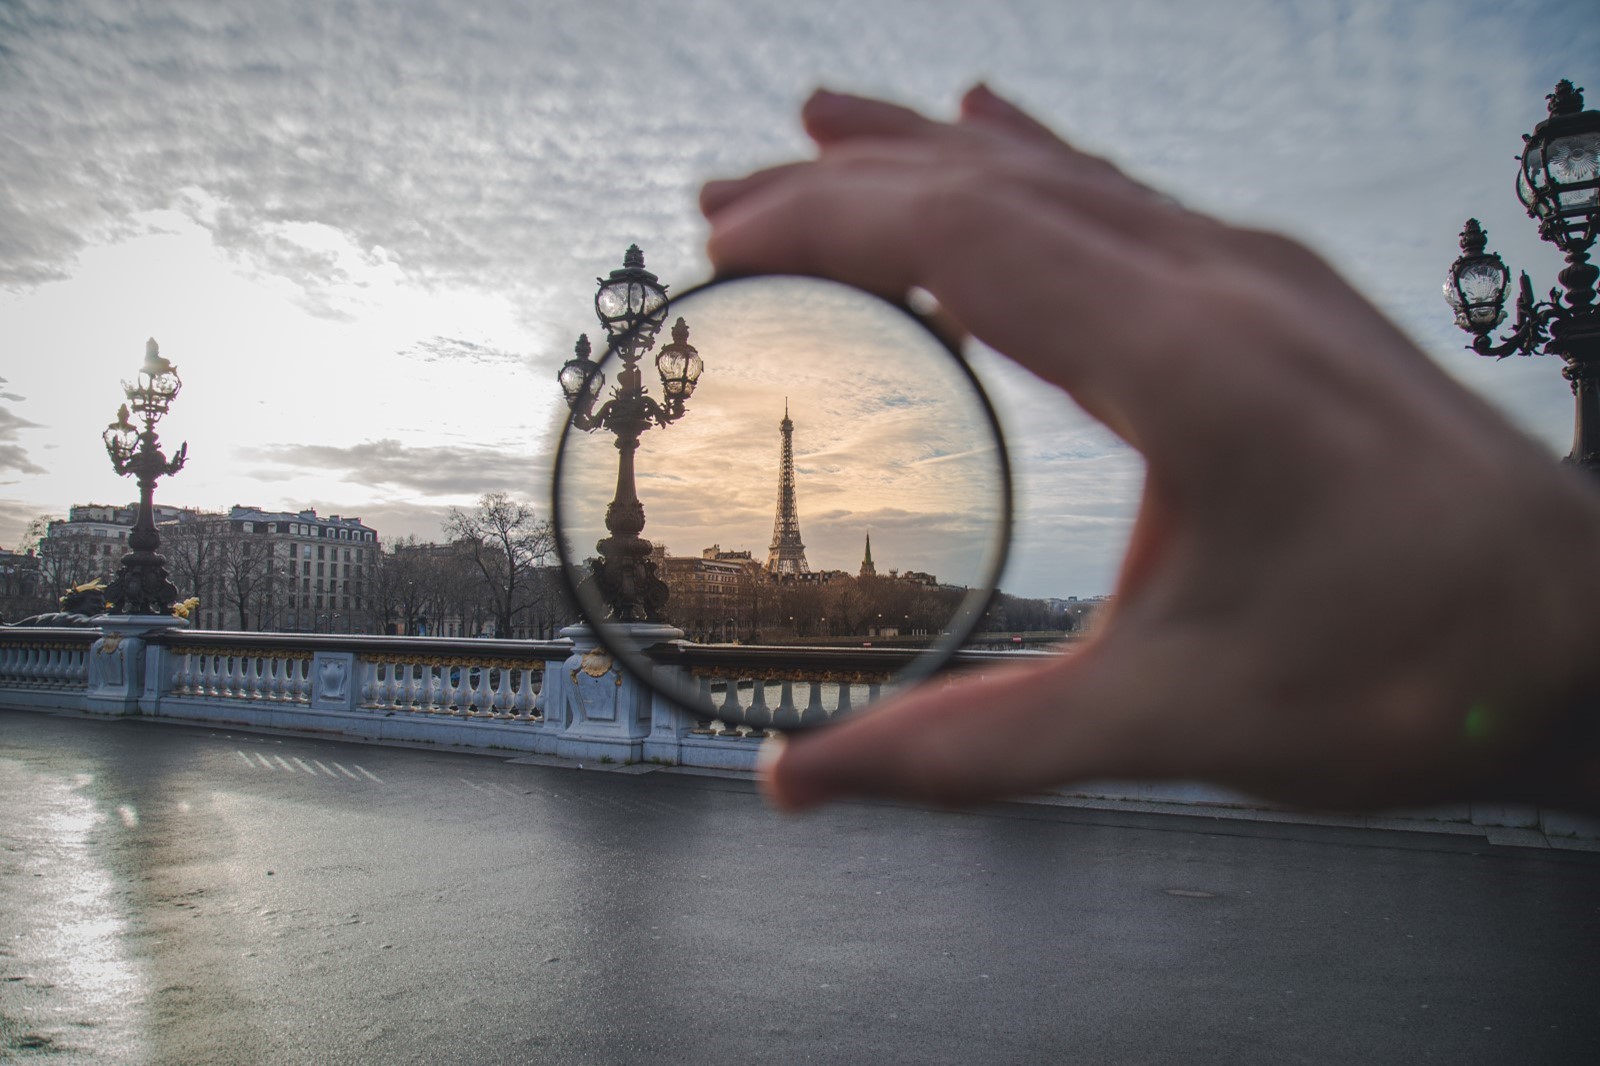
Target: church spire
[[867, 569]]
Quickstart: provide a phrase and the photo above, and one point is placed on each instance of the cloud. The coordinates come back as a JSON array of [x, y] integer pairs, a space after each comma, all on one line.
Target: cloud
[[333, 148], [453, 471], [455, 349], [15, 517], [394, 519], [12, 455]]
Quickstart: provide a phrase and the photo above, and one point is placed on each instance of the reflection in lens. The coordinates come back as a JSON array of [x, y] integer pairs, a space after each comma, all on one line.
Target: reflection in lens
[[801, 500]]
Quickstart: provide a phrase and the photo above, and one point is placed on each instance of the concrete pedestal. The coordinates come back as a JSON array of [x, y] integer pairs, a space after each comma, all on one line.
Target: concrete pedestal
[[598, 711], [117, 661]]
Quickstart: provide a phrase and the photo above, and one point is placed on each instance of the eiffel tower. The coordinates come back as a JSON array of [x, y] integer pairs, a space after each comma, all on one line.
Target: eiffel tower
[[787, 555]]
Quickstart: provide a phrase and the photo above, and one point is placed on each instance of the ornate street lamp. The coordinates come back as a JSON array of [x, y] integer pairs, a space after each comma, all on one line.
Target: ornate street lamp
[[141, 586], [1558, 181], [632, 305]]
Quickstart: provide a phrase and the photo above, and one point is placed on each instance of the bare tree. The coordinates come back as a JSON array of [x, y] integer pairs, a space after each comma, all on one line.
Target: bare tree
[[247, 579], [507, 544], [68, 560], [192, 547]]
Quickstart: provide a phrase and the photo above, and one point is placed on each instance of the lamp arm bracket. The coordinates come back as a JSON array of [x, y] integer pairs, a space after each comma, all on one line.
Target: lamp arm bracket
[[591, 422], [1530, 330], [658, 414]]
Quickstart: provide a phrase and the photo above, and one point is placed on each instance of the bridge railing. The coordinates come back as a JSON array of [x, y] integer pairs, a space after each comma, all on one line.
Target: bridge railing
[[51, 665], [563, 697], [754, 688], [445, 677]]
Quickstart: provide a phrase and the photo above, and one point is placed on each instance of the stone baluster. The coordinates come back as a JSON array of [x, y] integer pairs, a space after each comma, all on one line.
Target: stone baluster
[[522, 706], [815, 713], [180, 672], [502, 693], [844, 707], [758, 716], [528, 687], [389, 698], [402, 685], [429, 689], [702, 724], [300, 674], [230, 676], [416, 688], [786, 716], [216, 687], [250, 676], [729, 713], [368, 690], [454, 680]]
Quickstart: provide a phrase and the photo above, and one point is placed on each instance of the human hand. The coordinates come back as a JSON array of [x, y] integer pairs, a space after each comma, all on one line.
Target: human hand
[[1350, 582]]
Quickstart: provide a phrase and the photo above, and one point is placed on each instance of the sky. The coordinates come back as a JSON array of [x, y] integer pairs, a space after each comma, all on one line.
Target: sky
[[367, 233]]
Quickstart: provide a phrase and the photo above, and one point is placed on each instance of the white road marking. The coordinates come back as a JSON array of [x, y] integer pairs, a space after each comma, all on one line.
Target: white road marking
[[283, 764], [369, 773], [324, 767], [346, 773], [262, 759], [246, 759], [303, 766]]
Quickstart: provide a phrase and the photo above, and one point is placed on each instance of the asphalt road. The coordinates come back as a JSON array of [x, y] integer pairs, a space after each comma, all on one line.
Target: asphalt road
[[171, 894]]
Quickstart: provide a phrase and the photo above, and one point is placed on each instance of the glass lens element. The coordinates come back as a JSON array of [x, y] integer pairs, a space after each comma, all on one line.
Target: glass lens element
[[823, 522], [1482, 281], [613, 300], [1572, 159]]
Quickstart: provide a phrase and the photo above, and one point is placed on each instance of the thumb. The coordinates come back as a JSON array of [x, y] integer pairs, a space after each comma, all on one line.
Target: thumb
[[976, 738]]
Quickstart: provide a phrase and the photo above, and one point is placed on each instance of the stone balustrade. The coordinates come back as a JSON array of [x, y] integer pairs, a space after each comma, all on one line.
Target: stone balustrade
[[562, 697], [50, 665]]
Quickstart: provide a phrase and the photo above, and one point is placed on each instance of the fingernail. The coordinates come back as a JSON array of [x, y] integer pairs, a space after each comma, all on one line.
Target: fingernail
[[826, 98], [769, 752]]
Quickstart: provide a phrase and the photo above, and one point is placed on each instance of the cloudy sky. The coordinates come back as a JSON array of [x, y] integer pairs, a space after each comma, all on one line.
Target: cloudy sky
[[367, 233]]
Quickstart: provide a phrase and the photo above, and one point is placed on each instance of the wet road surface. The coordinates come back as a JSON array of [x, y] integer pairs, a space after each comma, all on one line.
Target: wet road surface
[[172, 894]]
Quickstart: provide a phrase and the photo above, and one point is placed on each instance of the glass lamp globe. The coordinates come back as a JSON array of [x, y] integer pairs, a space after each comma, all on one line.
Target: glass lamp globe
[[1559, 179], [581, 380], [679, 364], [631, 301], [1475, 288]]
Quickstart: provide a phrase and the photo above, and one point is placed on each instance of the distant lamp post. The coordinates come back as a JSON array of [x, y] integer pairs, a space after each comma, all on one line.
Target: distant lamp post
[[632, 305], [1558, 181], [142, 586]]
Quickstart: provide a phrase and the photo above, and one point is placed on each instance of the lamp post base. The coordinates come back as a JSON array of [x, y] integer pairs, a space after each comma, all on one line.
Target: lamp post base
[[118, 677], [600, 712]]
